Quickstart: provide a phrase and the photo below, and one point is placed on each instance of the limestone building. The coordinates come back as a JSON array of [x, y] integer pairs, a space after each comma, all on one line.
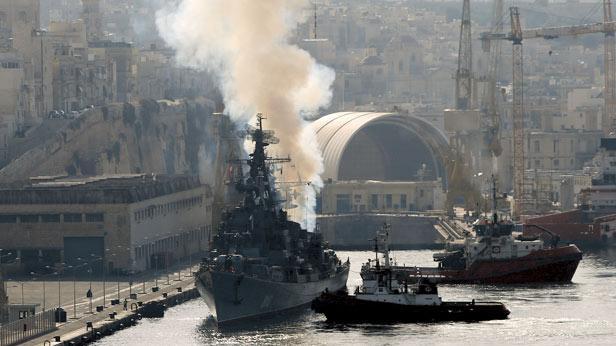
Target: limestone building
[[127, 222], [12, 104], [93, 19], [20, 21], [381, 197]]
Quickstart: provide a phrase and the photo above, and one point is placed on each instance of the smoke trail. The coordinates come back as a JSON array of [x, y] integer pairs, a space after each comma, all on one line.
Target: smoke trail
[[245, 44]]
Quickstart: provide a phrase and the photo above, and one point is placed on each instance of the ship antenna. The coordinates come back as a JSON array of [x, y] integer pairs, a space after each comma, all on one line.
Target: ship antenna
[[376, 251]]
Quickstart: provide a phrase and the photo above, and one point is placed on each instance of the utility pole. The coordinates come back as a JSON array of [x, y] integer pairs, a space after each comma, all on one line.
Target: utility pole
[[464, 78], [518, 112]]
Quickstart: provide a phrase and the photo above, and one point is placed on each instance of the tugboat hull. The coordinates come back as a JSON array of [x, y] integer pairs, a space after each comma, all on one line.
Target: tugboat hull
[[542, 266], [346, 308], [235, 298]]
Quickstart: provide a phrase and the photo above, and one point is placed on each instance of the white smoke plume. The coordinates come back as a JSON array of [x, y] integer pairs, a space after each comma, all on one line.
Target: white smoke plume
[[245, 43]]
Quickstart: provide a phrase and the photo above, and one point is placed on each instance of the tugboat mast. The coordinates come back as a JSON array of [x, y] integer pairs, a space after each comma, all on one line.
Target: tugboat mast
[[494, 204]]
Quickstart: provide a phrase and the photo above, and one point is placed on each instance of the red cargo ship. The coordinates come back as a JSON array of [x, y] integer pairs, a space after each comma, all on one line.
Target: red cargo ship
[[594, 223], [494, 256]]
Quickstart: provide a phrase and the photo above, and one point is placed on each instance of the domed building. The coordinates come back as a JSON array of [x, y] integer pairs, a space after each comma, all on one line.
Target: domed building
[[379, 164]]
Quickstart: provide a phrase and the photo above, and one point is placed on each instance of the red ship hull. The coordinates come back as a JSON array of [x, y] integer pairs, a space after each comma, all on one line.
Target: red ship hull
[[543, 266]]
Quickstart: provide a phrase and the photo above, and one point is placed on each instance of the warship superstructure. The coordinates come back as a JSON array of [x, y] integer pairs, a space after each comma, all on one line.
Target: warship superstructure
[[261, 263]]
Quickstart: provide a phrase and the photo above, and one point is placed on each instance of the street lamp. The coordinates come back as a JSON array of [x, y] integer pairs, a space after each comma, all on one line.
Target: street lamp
[[96, 258], [118, 279], [44, 290], [1, 257], [59, 291], [156, 271]]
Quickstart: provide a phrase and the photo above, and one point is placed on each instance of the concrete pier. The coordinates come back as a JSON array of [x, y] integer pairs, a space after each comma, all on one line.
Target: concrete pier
[[171, 288]]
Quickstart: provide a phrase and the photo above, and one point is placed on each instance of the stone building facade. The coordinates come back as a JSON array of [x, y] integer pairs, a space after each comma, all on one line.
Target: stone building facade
[[128, 222], [346, 197]]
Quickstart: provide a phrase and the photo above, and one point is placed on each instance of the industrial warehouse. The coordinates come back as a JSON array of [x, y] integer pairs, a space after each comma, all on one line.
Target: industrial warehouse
[[127, 222]]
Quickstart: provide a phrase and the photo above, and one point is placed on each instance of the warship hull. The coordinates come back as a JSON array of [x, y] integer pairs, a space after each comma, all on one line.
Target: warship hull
[[543, 266], [235, 298]]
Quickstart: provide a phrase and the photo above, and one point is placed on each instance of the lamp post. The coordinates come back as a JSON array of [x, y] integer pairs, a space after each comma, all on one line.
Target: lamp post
[[59, 291], [167, 268], [104, 284], [156, 271], [95, 258], [74, 292], [89, 295], [2, 256], [61, 270], [118, 279], [44, 290]]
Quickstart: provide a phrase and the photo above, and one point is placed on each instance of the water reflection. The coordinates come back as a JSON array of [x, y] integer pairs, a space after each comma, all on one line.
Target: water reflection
[[581, 312]]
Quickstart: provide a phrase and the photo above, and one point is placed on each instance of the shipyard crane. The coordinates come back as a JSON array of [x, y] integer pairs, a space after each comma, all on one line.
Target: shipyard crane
[[518, 112], [609, 47], [464, 74], [608, 27], [516, 36], [490, 108]]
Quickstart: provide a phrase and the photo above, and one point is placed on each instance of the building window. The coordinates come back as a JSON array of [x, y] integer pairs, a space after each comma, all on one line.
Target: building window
[[72, 217], [343, 203], [28, 218], [50, 218], [388, 201], [556, 144], [421, 193], [537, 146], [8, 218], [95, 217], [374, 202], [402, 201], [556, 162]]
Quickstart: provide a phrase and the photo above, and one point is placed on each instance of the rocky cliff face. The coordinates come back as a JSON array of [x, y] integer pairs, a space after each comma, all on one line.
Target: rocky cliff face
[[167, 137]]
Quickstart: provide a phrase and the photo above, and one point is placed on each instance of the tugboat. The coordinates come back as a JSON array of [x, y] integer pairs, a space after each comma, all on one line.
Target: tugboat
[[262, 263], [494, 256], [382, 298]]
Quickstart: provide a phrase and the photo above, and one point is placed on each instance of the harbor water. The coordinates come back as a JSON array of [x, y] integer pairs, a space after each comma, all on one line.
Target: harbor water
[[581, 312]]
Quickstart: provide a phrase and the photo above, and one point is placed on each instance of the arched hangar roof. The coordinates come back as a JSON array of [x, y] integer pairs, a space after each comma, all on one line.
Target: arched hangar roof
[[335, 131]]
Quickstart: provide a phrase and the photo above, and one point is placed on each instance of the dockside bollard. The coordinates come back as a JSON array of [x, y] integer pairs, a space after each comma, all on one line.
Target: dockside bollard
[[89, 326]]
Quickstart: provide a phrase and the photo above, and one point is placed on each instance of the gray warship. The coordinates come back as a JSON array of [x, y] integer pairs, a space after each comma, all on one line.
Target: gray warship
[[260, 262]]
